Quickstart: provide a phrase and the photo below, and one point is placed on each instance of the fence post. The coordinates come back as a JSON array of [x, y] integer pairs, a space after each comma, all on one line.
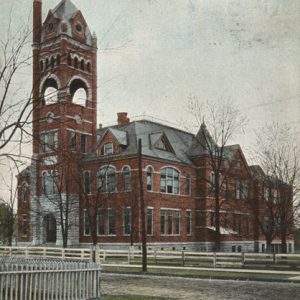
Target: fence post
[[274, 258], [129, 255], [104, 255], [155, 258], [243, 259], [183, 257], [215, 259]]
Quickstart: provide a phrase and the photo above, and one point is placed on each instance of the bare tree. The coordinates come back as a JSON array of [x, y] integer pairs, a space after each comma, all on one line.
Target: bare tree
[[15, 110], [279, 158], [220, 121], [7, 210]]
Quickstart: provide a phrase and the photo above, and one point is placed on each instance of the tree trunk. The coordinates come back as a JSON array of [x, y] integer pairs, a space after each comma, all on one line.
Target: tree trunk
[[217, 216], [269, 242], [283, 241]]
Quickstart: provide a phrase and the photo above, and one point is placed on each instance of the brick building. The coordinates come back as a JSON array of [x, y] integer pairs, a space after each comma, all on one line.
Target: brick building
[[84, 180]]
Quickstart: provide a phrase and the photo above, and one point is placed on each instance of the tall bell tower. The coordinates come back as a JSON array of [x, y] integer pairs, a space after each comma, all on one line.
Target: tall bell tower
[[64, 96]]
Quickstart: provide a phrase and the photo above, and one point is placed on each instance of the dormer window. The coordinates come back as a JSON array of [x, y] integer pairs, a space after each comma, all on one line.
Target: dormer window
[[50, 27], [160, 141], [78, 27], [108, 149]]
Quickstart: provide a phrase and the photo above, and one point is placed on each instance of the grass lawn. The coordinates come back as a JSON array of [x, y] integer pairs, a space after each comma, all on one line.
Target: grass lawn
[[202, 274]]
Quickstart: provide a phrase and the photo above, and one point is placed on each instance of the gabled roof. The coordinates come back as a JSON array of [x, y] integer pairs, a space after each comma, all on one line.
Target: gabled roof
[[148, 132], [65, 9], [119, 135], [202, 142], [64, 12]]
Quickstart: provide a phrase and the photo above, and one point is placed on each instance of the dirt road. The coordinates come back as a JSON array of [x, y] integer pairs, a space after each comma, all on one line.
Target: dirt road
[[198, 289]]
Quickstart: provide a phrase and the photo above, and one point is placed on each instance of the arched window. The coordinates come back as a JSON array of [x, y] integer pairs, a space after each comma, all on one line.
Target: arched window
[[78, 90], [50, 91], [47, 64], [58, 60], [107, 179], [76, 62], [82, 64], [169, 181], [149, 179], [52, 62], [127, 179], [24, 192], [88, 67], [69, 60]]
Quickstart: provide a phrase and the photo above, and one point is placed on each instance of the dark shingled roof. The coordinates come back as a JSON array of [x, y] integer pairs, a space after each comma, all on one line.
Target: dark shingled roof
[[179, 140]]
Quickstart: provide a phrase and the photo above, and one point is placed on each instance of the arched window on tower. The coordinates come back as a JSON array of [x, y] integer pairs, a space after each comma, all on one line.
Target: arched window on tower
[[76, 63], [47, 64], [82, 65], [69, 60], [50, 91], [78, 90], [88, 67], [58, 60], [52, 62]]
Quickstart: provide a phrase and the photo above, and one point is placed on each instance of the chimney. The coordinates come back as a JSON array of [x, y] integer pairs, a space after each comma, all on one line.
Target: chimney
[[122, 118], [37, 21]]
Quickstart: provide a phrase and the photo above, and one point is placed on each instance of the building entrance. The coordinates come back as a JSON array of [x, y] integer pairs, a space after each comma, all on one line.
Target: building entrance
[[50, 228]]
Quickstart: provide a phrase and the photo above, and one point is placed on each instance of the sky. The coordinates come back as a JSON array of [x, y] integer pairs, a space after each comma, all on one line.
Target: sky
[[154, 55]]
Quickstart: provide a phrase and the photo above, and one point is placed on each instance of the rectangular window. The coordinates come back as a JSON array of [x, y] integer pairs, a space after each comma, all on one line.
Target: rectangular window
[[111, 222], [177, 221], [188, 185], [247, 225], [108, 148], [237, 190], [127, 220], [83, 143], [239, 224], [225, 223], [170, 222], [87, 182], [188, 222], [244, 190], [212, 219], [86, 223], [24, 225], [49, 141], [149, 221], [100, 221], [266, 194], [162, 221], [73, 141], [234, 222], [163, 181]]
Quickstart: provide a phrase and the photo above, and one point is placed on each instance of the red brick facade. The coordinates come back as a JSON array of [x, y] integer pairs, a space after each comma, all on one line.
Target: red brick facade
[[99, 168]]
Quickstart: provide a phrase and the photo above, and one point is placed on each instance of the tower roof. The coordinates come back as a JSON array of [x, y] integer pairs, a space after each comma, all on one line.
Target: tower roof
[[67, 17], [65, 9]]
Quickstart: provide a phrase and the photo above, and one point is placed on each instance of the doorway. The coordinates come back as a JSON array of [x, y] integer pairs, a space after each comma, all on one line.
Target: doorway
[[50, 228]]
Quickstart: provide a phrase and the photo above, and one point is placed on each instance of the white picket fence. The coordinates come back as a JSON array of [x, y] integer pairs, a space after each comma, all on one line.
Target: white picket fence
[[25, 279], [156, 257]]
